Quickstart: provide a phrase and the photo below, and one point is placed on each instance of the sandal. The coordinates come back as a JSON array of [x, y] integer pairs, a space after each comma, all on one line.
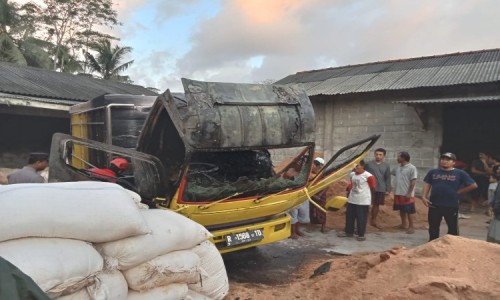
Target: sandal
[[361, 238], [344, 234], [410, 231]]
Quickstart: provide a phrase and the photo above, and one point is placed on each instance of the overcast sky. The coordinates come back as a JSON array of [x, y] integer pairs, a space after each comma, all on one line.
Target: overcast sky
[[256, 40]]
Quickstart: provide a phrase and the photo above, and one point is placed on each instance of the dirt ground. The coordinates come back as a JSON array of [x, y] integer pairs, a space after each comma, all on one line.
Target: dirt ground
[[448, 268]]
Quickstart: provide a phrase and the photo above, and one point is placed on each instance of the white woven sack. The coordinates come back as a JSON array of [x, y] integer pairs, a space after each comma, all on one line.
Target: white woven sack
[[192, 295], [58, 266], [174, 291], [89, 211], [109, 286], [175, 267], [78, 295], [215, 283], [170, 231], [137, 199]]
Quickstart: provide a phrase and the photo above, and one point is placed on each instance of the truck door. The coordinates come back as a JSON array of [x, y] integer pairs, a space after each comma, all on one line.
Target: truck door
[[341, 164], [144, 173]]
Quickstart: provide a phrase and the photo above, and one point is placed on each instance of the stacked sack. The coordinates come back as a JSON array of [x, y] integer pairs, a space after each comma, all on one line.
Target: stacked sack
[[90, 240]]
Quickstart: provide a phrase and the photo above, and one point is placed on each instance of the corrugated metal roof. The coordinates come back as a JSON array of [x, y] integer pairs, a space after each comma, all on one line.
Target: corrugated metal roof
[[57, 87], [433, 71], [450, 100]]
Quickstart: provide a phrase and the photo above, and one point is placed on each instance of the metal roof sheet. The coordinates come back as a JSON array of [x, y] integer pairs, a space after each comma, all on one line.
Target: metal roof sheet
[[449, 100], [433, 71], [62, 88]]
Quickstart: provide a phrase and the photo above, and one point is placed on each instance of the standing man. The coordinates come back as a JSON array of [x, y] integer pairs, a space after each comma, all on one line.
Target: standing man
[[300, 214], [480, 171], [404, 194], [382, 172], [316, 215], [28, 174], [446, 184], [361, 190]]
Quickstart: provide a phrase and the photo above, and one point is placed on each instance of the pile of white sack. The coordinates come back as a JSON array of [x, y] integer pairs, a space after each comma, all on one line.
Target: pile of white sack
[[94, 240]]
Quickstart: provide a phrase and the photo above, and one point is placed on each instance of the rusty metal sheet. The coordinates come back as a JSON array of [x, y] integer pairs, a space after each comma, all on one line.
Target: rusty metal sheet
[[245, 115]]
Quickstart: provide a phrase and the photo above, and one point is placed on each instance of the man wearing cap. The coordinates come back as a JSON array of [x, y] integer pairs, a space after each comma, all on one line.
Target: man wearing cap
[[116, 167], [28, 174], [445, 184]]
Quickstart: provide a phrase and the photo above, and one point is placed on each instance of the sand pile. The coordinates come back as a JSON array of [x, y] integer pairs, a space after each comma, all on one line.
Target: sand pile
[[448, 268]]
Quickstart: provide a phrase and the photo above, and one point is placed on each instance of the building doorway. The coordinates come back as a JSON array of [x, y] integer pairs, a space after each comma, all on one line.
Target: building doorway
[[469, 128]]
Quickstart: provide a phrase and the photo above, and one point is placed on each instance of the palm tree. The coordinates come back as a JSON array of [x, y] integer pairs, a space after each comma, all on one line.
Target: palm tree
[[17, 45], [9, 51], [107, 61]]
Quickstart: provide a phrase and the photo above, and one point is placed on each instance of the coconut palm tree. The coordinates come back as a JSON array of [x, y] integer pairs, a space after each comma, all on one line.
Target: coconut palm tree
[[107, 61], [17, 45], [9, 51]]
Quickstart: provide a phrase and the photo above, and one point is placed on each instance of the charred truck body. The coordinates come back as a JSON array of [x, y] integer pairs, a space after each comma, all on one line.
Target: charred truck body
[[209, 154]]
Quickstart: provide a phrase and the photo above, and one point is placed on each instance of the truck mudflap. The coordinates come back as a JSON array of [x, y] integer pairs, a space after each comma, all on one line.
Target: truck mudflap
[[251, 235]]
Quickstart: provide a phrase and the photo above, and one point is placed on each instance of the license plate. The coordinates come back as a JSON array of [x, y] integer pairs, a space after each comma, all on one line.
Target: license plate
[[244, 237]]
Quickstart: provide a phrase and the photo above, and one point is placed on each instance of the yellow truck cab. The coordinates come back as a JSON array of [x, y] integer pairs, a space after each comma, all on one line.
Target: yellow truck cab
[[209, 153]]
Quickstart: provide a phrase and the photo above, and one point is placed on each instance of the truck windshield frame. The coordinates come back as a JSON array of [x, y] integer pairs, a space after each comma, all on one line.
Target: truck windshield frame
[[235, 175]]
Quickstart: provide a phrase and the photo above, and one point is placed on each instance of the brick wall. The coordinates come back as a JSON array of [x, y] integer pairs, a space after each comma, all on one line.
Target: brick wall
[[344, 121]]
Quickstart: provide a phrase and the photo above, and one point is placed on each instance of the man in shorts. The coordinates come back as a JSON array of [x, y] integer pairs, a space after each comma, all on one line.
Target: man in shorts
[[300, 215], [404, 193], [382, 172]]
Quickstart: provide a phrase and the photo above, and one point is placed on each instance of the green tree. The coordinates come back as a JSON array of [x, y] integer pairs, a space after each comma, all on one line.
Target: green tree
[[17, 41], [9, 51], [67, 21], [108, 60]]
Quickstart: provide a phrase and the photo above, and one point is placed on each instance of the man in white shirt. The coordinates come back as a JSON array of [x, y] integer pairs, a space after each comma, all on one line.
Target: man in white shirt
[[361, 190]]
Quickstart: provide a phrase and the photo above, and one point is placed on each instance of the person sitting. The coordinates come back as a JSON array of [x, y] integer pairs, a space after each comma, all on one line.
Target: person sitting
[[28, 174], [115, 168]]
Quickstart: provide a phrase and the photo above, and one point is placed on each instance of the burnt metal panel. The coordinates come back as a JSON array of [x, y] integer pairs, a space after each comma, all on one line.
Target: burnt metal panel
[[221, 115], [228, 115]]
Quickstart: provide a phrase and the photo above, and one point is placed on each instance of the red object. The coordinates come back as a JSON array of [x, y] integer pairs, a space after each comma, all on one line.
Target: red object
[[460, 165], [120, 163], [106, 174]]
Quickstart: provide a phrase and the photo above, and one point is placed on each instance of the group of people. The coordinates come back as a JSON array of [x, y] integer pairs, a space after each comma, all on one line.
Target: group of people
[[370, 182]]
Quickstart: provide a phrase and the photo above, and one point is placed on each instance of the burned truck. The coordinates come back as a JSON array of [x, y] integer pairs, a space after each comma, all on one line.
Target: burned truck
[[219, 153]]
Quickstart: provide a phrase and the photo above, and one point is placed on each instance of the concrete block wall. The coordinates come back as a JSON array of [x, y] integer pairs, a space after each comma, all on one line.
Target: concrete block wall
[[13, 159], [342, 122]]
